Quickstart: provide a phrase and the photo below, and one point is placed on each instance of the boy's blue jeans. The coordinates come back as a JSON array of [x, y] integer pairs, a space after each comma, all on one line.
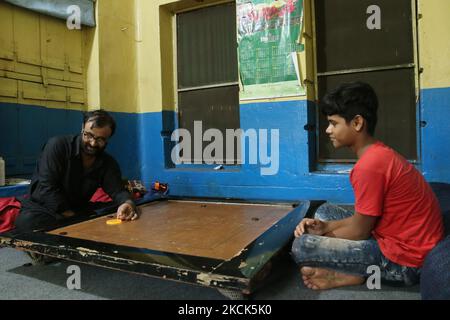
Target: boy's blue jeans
[[347, 256]]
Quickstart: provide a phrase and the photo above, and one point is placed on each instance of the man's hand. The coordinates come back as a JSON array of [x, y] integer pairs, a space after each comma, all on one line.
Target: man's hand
[[127, 212], [311, 226]]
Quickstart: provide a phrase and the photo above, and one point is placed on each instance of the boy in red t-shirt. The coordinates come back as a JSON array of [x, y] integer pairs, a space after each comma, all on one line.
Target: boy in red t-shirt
[[397, 219]]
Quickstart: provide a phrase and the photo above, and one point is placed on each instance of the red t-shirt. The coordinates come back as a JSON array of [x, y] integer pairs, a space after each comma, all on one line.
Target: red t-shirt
[[386, 185]]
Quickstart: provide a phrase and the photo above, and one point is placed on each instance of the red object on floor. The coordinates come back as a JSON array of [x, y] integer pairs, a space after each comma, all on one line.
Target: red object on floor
[[9, 210], [100, 196]]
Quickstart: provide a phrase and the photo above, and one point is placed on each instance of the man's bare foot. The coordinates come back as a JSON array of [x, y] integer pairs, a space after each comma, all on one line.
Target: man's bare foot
[[322, 279]]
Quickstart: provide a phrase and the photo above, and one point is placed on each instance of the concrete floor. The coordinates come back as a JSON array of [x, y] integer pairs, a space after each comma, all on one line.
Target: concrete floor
[[18, 281]]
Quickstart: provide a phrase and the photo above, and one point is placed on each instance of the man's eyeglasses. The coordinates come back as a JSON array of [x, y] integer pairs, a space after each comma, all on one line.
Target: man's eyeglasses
[[90, 137]]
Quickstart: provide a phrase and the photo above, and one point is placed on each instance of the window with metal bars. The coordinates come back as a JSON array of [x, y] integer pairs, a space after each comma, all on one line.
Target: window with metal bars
[[348, 50], [207, 70]]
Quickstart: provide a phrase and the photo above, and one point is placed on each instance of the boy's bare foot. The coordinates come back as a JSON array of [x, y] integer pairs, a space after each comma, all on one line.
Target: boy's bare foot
[[322, 279]]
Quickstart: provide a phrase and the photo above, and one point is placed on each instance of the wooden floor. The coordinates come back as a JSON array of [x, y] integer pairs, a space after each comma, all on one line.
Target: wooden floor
[[205, 229]]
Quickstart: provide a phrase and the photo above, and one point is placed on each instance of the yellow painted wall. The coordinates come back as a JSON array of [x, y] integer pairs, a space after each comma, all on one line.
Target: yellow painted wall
[[92, 58], [117, 56], [126, 62], [154, 25], [131, 50], [124, 69], [434, 43], [41, 61]]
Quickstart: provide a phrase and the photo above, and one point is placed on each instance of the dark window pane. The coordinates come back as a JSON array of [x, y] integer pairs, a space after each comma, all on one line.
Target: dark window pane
[[217, 108], [207, 55], [345, 42], [207, 46]]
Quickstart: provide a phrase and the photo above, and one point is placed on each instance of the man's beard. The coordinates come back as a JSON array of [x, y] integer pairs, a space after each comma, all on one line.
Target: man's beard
[[92, 151]]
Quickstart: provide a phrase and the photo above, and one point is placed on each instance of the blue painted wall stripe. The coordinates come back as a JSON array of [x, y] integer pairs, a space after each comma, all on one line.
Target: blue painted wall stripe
[[141, 147], [435, 111]]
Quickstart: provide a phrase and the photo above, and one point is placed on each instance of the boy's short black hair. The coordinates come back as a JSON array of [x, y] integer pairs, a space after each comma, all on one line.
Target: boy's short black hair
[[352, 99], [100, 119]]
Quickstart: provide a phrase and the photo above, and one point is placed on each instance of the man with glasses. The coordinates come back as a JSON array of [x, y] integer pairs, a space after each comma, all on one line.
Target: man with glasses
[[69, 171]]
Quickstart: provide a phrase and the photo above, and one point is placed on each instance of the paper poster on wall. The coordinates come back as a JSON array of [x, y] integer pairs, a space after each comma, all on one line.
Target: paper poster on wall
[[268, 43]]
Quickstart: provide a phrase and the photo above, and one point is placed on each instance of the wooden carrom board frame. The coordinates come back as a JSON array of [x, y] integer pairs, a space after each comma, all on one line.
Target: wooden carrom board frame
[[219, 257]]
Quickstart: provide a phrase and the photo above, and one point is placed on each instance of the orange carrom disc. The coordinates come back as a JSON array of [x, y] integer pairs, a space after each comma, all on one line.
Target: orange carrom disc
[[112, 222]]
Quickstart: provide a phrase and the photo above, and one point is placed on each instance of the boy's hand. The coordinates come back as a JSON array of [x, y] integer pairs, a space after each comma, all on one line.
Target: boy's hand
[[311, 226]]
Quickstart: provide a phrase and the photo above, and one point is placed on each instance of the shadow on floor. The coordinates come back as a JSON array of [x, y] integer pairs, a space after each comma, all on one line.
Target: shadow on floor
[[49, 282]]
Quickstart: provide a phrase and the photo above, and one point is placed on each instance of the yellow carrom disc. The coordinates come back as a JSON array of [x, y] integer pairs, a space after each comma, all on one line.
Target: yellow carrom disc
[[112, 222]]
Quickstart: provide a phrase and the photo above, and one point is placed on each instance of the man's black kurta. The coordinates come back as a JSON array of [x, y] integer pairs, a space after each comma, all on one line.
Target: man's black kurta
[[61, 183]]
